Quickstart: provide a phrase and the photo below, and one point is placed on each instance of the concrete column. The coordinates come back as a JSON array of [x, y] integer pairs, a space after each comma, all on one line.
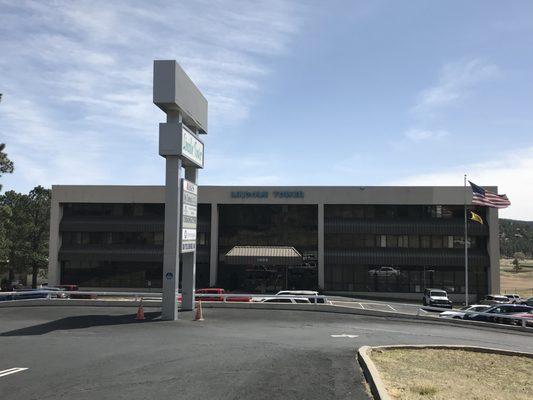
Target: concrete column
[[213, 246], [54, 268], [171, 254], [321, 245], [493, 248], [188, 273]]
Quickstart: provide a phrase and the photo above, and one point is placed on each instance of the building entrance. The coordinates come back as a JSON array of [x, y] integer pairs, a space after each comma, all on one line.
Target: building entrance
[[267, 269]]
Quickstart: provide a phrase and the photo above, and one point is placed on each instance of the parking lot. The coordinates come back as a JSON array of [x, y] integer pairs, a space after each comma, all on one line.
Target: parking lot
[[89, 352]]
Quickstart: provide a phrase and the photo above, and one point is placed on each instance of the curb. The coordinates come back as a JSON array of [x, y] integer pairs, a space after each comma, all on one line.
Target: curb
[[373, 377], [75, 303]]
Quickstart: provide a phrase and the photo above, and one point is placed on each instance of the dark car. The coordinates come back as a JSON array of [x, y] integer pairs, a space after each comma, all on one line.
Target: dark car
[[498, 312], [528, 302], [27, 294]]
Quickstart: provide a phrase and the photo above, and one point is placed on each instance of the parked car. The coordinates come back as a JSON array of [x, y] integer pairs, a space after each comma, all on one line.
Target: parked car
[[527, 302], [459, 314], [513, 298], [436, 298], [528, 316], [5, 297], [74, 288], [495, 299], [286, 300], [497, 311], [310, 293], [27, 294], [384, 271], [216, 292]]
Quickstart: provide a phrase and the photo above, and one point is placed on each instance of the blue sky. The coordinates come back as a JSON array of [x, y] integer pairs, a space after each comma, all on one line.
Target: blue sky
[[300, 92]]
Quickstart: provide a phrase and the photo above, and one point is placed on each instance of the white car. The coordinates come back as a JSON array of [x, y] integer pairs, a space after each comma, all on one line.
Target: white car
[[436, 298], [459, 314], [285, 300], [310, 293], [384, 271], [492, 299], [514, 298]]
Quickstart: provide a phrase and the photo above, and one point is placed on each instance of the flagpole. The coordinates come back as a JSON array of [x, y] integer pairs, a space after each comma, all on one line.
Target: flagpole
[[466, 250]]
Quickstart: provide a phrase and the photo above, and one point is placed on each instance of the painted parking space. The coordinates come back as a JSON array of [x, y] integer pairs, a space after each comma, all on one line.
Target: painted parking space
[[11, 371]]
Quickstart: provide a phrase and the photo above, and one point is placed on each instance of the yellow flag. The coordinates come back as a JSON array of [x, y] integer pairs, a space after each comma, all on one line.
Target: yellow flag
[[476, 217]]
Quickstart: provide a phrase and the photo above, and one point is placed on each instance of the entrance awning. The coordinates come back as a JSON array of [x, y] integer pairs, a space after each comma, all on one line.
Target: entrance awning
[[272, 256]]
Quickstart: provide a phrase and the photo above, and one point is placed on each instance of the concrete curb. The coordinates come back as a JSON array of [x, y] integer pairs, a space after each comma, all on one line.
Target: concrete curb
[[329, 308], [371, 373], [373, 376]]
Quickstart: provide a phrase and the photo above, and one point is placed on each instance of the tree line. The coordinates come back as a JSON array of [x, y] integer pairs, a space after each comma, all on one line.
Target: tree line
[[24, 229], [516, 236]]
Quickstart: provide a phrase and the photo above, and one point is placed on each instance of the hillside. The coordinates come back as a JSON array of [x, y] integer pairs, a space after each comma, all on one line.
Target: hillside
[[516, 236]]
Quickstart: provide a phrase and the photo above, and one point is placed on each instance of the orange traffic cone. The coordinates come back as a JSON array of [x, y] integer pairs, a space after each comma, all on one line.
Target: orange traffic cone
[[140, 312], [198, 315]]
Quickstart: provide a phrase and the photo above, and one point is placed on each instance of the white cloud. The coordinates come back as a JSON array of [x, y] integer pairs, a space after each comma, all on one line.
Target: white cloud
[[77, 76], [455, 80], [511, 172], [251, 169], [419, 135]]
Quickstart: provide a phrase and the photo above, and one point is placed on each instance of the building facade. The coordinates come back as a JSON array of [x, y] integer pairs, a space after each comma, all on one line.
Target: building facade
[[383, 241]]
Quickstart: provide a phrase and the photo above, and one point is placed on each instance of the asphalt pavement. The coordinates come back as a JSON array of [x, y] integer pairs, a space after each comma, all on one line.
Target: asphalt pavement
[[103, 353]]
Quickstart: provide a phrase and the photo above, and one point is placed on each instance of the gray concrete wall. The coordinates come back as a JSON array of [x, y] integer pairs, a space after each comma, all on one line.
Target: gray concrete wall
[[425, 195], [493, 248]]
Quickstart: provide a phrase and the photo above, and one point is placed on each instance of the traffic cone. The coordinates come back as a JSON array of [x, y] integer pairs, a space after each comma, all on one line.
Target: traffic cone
[[140, 312], [198, 315]]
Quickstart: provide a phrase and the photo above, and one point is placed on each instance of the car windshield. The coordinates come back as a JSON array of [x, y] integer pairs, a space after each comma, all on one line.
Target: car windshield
[[438, 293]]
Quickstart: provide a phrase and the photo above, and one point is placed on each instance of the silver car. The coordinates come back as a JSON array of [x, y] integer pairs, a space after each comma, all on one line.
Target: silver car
[[459, 314]]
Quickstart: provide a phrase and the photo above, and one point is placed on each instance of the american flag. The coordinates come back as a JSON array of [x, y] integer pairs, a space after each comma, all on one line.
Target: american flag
[[485, 198]]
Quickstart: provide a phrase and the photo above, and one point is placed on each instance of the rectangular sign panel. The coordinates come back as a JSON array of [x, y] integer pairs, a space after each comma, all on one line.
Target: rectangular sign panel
[[191, 147], [189, 215], [189, 210]]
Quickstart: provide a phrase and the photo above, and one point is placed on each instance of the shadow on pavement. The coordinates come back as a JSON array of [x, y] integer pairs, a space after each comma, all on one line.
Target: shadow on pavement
[[82, 322]]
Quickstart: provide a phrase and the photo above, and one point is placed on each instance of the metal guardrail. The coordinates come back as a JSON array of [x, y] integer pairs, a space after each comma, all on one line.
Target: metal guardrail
[[53, 294], [139, 295]]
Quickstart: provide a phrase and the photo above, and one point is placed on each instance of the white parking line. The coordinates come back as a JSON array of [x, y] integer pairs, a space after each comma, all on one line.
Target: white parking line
[[11, 371], [361, 306], [391, 307], [345, 335]]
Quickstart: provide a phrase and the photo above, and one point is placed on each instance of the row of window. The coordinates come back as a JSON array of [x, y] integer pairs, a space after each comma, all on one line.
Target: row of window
[[125, 210], [366, 278], [123, 238], [347, 241], [397, 211], [265, 214], [268, 216], [114, 210], [122, 274]]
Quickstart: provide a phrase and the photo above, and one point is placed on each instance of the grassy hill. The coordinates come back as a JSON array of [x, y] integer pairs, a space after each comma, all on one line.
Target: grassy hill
[[516, 236]]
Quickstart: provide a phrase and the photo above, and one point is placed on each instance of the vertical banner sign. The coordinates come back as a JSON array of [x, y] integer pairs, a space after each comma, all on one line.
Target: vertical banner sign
[[189, 213]]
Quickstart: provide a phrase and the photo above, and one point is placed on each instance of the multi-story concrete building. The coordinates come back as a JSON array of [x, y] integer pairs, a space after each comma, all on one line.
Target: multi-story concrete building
[[386, 241]]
